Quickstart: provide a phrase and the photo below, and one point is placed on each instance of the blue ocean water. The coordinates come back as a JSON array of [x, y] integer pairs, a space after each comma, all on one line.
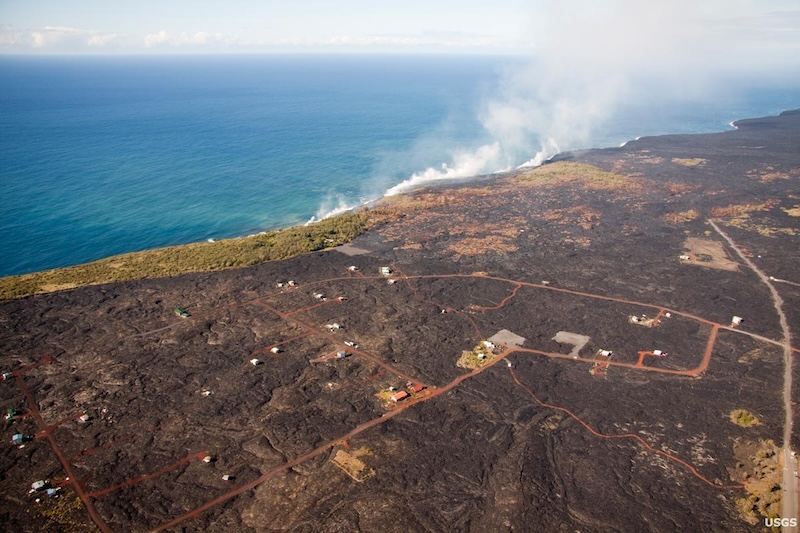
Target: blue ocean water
[[105, 155]]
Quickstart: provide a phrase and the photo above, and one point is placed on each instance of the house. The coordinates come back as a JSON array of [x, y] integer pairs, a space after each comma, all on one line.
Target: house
[[736, 320], [341, 354], [319, 296], [84, 418], [38, 486], [386, 271], [402, 395], [275, 349], [353, 268], [334, 326], [419, 387], [255, 362], [489, 345]]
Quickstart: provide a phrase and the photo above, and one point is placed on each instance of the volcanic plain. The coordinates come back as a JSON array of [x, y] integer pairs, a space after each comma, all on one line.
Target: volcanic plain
[[569, 348]]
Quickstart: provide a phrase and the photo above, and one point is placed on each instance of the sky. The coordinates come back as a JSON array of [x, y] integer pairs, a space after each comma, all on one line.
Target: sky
[[413, 26]]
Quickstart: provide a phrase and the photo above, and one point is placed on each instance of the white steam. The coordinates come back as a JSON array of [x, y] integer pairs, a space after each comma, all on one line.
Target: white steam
[[334, 204], [591, 59], [484, 160]]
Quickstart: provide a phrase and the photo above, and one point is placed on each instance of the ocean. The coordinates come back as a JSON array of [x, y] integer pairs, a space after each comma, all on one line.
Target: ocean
[[106, 155]]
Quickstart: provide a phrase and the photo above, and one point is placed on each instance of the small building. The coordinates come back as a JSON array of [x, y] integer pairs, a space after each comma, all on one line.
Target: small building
[[18, 439], [206, 393], [392, 388], [7, 375], [341, 354], [319, 296], [228, 477], [351, 344], [684, 257], [11, 413], [353, 268], [402, 395], [291, 283], [736, 320], [658, 353], [53, 492], [481, 356], [208, 459], [334, 326], [84, 418], [280, 285], [489, 345], [275, 349], [606, 353], [391, 281], [386, 271], [255, 362], [419, 387]]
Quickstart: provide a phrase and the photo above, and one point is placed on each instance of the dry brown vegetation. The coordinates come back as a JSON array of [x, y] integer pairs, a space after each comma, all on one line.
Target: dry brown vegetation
[[737, 210], [689, 162], [683, 216], [768, 174], [471, 246], [589, 177], [351, 465], [758, 467]]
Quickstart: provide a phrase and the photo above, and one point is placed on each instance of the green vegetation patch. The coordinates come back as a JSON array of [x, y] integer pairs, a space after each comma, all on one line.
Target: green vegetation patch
[[475, 358], [688, 162], [199, 257], [744, 418], [588, 176]]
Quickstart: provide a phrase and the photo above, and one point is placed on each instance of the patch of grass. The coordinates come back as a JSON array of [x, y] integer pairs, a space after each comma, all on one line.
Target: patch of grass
[[744, 418], [588, 176], [793, 211], [198, 257], [683, 216], [66, 514], [688, 162]]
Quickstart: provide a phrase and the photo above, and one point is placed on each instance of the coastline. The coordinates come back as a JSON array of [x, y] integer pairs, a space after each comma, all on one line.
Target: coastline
[[280, 243]]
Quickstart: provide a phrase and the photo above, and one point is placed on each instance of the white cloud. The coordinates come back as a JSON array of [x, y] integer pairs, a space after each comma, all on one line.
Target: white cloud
[[54, 39], [198, 40]]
